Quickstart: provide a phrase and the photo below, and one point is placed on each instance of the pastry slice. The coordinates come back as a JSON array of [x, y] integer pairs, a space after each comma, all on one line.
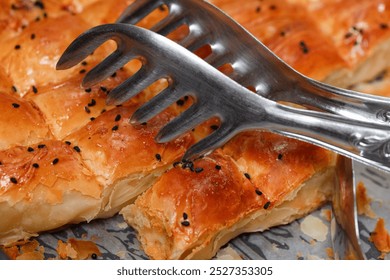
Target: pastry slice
[[197, 207], [43, 187], [125, 158], [21, 122]]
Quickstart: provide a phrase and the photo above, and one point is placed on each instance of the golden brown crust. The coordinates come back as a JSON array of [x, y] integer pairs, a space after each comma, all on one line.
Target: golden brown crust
[[114, 148], [355, 31], [321, 39], [31, 62], [16, 15], [68, 107], [189, 209], [21, 123], [6, 83], [275, 163], [41, 166], [49, 180], [290, 32], [186, 207]]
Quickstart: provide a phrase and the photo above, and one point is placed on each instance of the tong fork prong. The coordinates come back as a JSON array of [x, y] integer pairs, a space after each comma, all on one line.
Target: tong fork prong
[[190, 118], [211, 142], [138, 10], [106, 68], [168, 24], [143, 78], [156, 105], [81, 49]]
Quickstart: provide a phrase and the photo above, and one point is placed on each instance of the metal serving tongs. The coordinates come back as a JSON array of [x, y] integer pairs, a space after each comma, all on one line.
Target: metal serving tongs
[[360, 133]]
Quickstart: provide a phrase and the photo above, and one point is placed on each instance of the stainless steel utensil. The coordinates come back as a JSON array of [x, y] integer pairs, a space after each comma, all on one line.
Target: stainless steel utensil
[[253, 63], [231, 44], [344, 223], [215, 94]]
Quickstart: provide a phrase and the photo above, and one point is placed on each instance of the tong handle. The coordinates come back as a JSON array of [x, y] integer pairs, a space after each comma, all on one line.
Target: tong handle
[[366, 142]]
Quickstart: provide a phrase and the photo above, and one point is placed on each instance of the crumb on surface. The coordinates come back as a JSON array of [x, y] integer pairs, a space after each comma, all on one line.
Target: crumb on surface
[[364, 201], [381, 237]]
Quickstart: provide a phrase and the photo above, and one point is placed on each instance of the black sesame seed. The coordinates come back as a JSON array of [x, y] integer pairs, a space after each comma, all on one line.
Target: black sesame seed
[[158, 157], [272, 7], [34, 89], [303, 47], [348, 35], [92, 103], [180, 102], [258, 192], [1, 163], [94, 256], [35, 165], [214, 127], [41, 146], [176, 163], [188, 164], [39, 4], [258, 9], [144, 123], [17, 47], [247, 175], [198, 169], [55, 161], [87, 109], [103, 111], [218, 167], [77, 149], [84, 63], [88, 90], [185, 223], [15, 105], [282, 33], [14, 180], [267, 205], [185, 216], [37, 19], [115, 128], [29, 149], [383, 25], [104, 89], [92, 119], [82, 71], [14, 7], [118, 118], [113, 75], [280, 156], [14, 89], [32, 36]]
